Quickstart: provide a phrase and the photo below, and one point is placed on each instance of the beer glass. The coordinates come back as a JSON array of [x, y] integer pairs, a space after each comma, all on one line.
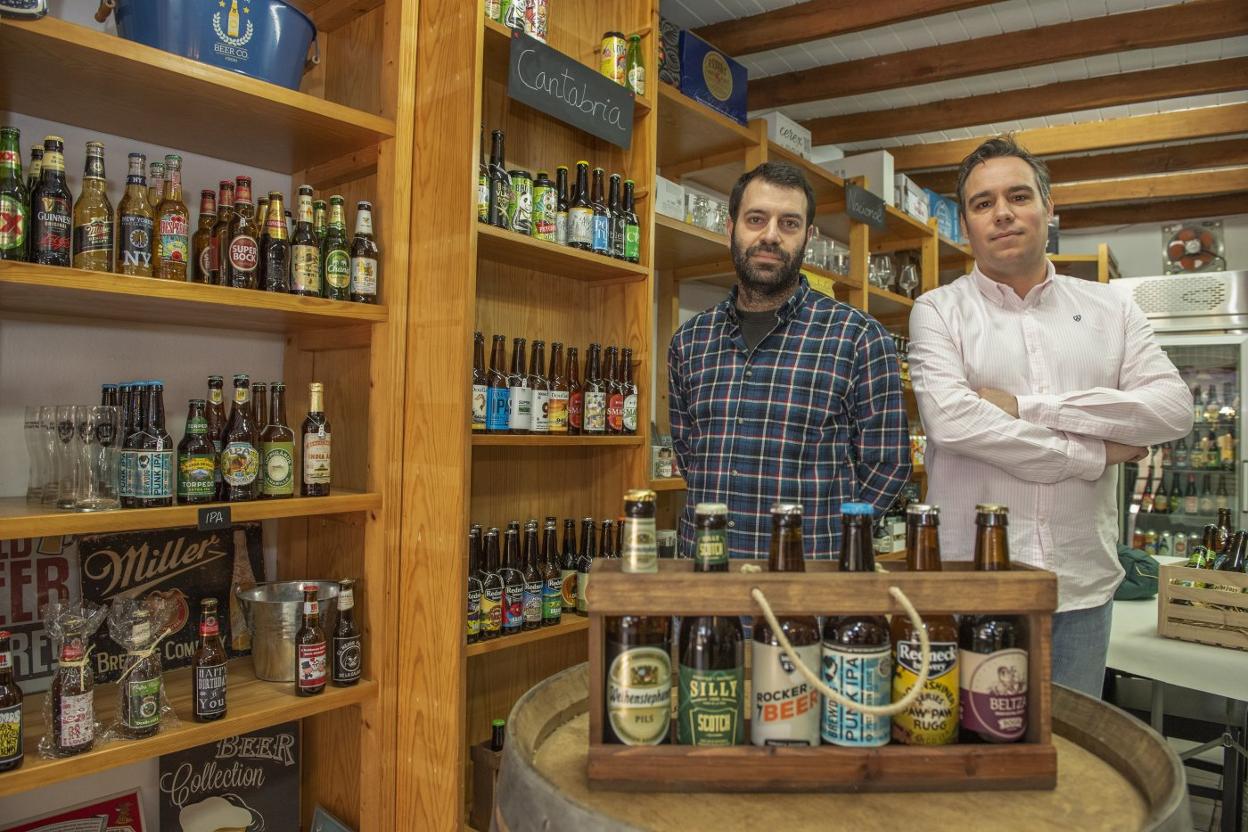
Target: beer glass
[[67, 442], [99, 457], [47, 450], [35, 477]]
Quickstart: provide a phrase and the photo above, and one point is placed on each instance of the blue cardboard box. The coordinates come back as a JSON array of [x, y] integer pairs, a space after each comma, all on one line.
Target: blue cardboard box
[[711, 77], [945, 212]]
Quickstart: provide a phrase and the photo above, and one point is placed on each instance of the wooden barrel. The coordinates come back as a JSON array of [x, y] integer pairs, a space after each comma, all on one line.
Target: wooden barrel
[[1114, 773]]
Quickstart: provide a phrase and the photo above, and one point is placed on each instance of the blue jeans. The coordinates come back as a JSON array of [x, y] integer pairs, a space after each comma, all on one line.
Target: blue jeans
[[1080, 643]]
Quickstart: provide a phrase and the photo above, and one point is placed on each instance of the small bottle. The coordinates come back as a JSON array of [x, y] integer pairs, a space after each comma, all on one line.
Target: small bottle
[[73, 699], [52, 217], [335, 254], [93, 216], [275, 247], [305, 253], [201, 240], [636, 66], [137, 219], [310, 647], [277, 450], [11, 724], [156, 184], [209, 666], [316, 445], [348, 660], [197, 458], [172, 254], [141, 681], [364, 255]]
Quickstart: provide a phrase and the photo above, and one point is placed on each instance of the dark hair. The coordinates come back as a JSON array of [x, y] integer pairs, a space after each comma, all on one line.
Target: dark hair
[[999, 147], [781, 174]]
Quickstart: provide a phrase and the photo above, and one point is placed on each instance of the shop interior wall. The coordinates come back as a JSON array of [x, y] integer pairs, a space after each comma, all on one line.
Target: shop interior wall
[[1139, 247]]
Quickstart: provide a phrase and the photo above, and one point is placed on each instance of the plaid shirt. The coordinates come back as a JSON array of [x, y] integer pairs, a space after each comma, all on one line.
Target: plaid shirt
[[814, 415]]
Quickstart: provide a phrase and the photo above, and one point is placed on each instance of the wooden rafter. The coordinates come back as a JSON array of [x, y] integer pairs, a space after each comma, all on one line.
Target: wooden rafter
[[1165, 186], [1195, 21], [1169, 210]]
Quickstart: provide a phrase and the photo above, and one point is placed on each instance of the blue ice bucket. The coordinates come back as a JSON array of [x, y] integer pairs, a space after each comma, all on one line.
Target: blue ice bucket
[[265, 39]]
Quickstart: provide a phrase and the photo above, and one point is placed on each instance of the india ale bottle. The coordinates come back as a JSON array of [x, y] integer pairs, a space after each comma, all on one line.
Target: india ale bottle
[[581, 212], [93, 216], [316, 445], [552, 579], [933, 718], [539, 386], [209, 665], [615, 396], [260, 413], [567, 567], [73, 699], [240, 458], [201, 240], [305, 251], [992, 654], [492, 588], [172, 255], [241, 253], [600, 242], [310, 647], [561, 209], [785, 707], [711, 696], [364, 256], [14, 214], [220, 228], [11, 745], [519, 393], [534, 579], [137, 220], [513, 582], [141, 681], [615, 219], [576, 394], [480, 383], [557, 410], [348, 662], [472, 615], [52, 215], [335, 253], [498, 389], [156, 185], [197, 458], [638, 669], [275, 247], [153, 473], [133, 425], [595, 407], [277, 450], [583, 563], [500, 182], [632, 226]]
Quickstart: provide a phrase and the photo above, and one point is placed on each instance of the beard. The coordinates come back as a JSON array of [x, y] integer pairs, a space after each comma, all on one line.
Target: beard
[[765, 282]]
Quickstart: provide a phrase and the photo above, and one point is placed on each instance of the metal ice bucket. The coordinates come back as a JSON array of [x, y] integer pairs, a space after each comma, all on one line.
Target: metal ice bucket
[[274, 612]]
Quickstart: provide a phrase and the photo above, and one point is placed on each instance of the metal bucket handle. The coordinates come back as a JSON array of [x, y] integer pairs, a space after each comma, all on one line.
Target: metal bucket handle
[[308, 63]]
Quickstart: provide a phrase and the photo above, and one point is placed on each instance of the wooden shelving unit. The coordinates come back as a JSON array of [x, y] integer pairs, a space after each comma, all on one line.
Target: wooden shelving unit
[[503, 440], [668, 484], [569, 624], [507, 247], [1101, 267]]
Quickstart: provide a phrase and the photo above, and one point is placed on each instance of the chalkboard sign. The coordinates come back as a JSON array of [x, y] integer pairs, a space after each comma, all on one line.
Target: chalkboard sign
[[212, 519], [563, 87], [864, 206]]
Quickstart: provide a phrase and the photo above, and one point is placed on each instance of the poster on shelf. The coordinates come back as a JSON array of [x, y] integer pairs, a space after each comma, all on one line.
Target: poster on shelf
[[248, 782], [122, 812], [33, 572]]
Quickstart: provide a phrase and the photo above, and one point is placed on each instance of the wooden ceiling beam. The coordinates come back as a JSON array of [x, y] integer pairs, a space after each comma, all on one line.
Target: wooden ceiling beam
[[1170, 210], [1165, 186], [1173, 126], [816, 19], [1191, 22], [1171, 159], [1064, 97]]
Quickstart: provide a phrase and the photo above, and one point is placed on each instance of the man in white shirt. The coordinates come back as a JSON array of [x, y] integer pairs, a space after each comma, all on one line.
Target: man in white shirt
[[1033, 387]]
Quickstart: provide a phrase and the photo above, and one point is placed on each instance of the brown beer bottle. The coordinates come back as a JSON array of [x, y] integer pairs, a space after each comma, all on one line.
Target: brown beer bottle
[[172, 247], [141, 681], [209, 665], [615, 395], [11, 725], [316, 445], [201, 240], [519, 394], [497, 394], [933, 719], [576, 394], [567, 567], [259, 410], [136, 221], [552, 578], [628, 390], [240, 459], [348, 660], [216, 424], [539, 388], [73, 699], [492, 588], [558, 403], [275, 247], [277, 451], [583, 563], [534, 579], [310, 650], [606, 547], [240, 255], [480, 383], [595, 415], [305, 250], [220, 228], [93, 216]]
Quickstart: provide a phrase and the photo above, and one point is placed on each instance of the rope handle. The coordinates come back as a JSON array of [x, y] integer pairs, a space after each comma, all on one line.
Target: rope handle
[[144, 653]]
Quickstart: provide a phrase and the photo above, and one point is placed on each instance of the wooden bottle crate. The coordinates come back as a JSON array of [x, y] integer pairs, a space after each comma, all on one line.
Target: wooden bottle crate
[[1212, 615], [677, 590]]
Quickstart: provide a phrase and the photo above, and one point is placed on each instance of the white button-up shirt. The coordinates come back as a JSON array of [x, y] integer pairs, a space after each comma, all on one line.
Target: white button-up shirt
[[1084, 364]]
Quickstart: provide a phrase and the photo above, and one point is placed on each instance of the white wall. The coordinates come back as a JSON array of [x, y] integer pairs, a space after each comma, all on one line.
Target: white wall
[[1138, 248]]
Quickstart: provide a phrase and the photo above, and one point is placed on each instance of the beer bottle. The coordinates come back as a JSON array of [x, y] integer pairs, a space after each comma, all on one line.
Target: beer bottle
[[275, 247], [500, 182], [1225, 531], [638, 664], [601, 224], [14, 225], [1228, 558], [552, 588], [629, 390], [636, 66], [785, 708], [1161, 498], [173, 243], [156, 186], [209, 666], [73, 698], [567, 567], [632, 226], [33, 177], [241, 254], [305, 253], [483, 179], [513, 582], [492, 589], [219, 229], [472, 617], [197, 458], [576, 395], [540, 387], [137, 220], [348, 657], [498, 390], [201, 240], [240, 460], [534, 579], [153, 474], [316, 445], [583, 562], [857, 655], [310, 647], [933, 718], [595, 399], [320, 226], [519, 394], [712, 651], [335, 254], [561, 205], [141, 681], [215, 416], [480, 383], [364, 254], [581, 212], [615, 395], [53, 214], [992, 655], [11, 744], [557, 411], [615, 219], [131, 429], [259, 413], [262, 225], [607, 546], [277, 450]]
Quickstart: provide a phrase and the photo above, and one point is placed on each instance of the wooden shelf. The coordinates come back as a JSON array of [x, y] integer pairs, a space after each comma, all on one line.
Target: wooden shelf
[[253, 704], [20, 519], [689, 250], [570, 624], [497, 440], [699, 144], [829, 188], [668, 484], [884, 302], [28, 289], [902, 228], [79, 75], [1102, 266], [954, 255], [511, 249]]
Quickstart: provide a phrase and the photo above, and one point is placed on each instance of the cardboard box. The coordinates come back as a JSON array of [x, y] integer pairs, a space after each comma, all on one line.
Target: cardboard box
[[945, 211], [669, 198], [910, 197], [787, 133], [711, 77], [877, 167]]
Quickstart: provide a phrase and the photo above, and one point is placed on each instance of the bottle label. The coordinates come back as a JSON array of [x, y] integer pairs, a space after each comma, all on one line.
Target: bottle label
[[338, 269], [513, 600], [311, 673], [561, 228], [785, 709], [533, 600], [94, 235], [552, 599], [709, 709], [933, 718], [244, 254], [347, 659], [144, 698], [630, 413], [637, 79], [55, 224], [580, 226], [196, 476], [174, 240], [12, 224], [473, 617], [210, 690], [711, 548], [568, 588], [863, 676], [153, 474], [498, 408], [994, 693], [479, 408], [279, 468], [615, 412], [11, 733], [595, 412], [240, 463], [492, 609], [520, 402], [125, 480], [641, 545], [363, 276], [557, 409], [483, 198], [601, 229], [316, 458], [541, 411], [582, 587], [305, 269], [639, 695], [576, 410], [77, 719]]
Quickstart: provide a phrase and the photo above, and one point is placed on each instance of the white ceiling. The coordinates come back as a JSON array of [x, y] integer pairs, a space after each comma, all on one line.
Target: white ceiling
[[996, 18]]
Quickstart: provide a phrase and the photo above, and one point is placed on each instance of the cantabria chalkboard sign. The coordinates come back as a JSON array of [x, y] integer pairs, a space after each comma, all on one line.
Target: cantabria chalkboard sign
[[563, 87], [864, 206]]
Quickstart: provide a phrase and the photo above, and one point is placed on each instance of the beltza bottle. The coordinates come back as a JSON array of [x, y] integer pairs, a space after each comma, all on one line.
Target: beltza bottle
[[348, 662]]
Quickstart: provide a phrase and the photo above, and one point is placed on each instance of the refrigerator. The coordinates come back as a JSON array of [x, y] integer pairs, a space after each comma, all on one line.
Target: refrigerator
[[1201, 321]]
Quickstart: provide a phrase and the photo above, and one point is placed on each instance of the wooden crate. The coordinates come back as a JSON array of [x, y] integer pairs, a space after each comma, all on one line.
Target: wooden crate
[[1216, 616], [676, 590]]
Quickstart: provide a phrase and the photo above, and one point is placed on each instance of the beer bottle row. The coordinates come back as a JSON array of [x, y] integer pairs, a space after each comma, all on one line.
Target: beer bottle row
[[570, 214], [237, 243], [528, 400], [517, 583], [976, 690], [1221, 550], [251, 455]]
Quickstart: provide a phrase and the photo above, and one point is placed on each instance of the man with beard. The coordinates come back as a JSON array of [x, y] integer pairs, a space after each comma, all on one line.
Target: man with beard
[[781, 393]]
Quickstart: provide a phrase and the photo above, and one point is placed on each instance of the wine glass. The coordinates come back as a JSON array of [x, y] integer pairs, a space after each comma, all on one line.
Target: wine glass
[[908, 281]]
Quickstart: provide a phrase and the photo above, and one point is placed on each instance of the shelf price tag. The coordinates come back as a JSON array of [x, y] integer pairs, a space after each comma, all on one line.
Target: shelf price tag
[[214, 518]]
